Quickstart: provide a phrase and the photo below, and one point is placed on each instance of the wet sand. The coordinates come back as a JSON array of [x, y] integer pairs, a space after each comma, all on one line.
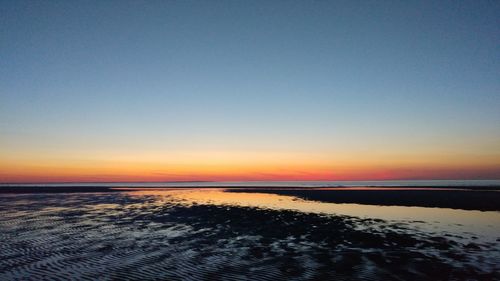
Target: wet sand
[[483, 200], [466, 198], [136, 236]]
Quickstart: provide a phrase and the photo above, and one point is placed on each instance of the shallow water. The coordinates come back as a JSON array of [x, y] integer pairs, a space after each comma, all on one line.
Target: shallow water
[[483, 226], [217, 235]]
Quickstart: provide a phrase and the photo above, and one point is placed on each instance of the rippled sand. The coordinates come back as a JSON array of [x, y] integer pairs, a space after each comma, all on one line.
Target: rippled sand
[[141, 236]]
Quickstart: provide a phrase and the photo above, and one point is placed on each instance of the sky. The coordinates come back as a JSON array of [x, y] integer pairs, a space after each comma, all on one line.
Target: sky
[[249, 90]]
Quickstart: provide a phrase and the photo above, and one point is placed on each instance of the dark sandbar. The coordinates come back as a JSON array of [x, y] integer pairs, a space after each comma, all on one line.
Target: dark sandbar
[[484, 200], [467, 198]]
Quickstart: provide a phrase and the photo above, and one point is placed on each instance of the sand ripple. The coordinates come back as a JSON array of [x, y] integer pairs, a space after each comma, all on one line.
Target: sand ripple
[[119, 237]]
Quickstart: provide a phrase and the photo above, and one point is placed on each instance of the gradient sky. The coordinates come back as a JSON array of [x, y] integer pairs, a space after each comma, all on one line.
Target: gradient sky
[[249, 90]]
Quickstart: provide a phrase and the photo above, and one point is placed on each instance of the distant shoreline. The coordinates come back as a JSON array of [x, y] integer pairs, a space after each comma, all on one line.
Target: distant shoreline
[[467, 198], [16, 189]]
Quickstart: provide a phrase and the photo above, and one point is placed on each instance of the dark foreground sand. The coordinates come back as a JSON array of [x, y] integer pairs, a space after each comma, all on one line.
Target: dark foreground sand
[[115, 236]]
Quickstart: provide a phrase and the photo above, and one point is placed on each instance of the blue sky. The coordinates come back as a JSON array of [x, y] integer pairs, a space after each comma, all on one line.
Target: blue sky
[[316, 76]]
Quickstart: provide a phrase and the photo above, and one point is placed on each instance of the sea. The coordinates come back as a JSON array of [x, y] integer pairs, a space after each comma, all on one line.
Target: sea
[[373, 183]]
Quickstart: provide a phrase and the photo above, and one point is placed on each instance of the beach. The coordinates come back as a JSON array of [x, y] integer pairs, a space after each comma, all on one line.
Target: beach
[[250, 140], [237, 234]]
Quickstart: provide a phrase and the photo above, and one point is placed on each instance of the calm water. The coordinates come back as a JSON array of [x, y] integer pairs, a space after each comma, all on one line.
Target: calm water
[[211, 234], [457, 183], [484, 225]]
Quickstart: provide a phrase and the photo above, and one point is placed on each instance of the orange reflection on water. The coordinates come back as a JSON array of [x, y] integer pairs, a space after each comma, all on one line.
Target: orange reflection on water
[[480, 222]]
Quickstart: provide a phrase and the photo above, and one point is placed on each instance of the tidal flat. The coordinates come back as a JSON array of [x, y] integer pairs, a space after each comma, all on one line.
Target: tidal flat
[[216, 234]]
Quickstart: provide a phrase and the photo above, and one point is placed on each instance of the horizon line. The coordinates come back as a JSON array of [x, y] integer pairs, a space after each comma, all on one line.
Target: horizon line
[[226, 181]]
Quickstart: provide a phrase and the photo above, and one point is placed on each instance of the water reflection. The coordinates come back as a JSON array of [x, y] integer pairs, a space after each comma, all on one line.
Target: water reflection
[[218, 235], [483, 226]]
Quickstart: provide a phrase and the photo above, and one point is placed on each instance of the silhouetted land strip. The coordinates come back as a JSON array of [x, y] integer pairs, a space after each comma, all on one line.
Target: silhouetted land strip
[[17, 188], [456, 199], [472, 198], [55, 189]]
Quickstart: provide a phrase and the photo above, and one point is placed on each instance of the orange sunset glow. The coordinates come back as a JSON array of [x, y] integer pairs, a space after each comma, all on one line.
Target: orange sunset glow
[[286, 140], [237, 166], [205, 94]]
